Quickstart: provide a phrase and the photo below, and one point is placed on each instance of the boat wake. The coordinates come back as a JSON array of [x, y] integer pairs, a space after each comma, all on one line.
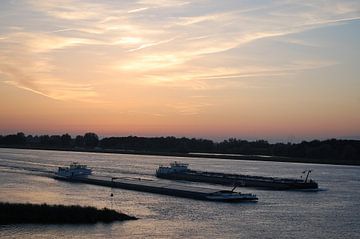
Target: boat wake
[[24, 170]]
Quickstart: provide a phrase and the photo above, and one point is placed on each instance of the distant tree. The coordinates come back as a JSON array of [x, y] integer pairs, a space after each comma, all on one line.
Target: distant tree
[[335, 149], [158, 144], [21, 138], [14, 139], [29, 139], [350, 153], [91, 140], [65, 140], [55, 140], [44, 140], [79, 141], [280, 149], [35, 140], [320, 151], [201, 145]]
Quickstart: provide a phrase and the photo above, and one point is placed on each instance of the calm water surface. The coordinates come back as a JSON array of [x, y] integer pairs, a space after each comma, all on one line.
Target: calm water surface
[[331, 212]]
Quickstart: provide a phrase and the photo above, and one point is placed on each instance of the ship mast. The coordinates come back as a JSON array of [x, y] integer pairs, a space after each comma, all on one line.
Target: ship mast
[[307, 175]]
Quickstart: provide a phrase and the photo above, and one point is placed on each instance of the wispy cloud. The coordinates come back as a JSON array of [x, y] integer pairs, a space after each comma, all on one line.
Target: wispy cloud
[[150, 44], [143, 42], [36, 77], [40, 42], [185, 21], [25, 62], [229, 77], [163, 3], [188, 108], [138, 10], [151, 62], [66, 9]]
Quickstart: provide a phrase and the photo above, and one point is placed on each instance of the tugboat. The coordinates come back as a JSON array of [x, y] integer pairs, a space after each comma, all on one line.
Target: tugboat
[[180, 171], [74, 170]]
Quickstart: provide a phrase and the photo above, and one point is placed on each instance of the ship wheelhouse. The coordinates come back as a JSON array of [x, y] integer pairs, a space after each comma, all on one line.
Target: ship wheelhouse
[[175, 167], [74, 170]]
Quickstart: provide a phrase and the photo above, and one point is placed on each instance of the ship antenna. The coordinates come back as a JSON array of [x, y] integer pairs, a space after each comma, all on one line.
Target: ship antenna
[[235, 186], [307, 175]]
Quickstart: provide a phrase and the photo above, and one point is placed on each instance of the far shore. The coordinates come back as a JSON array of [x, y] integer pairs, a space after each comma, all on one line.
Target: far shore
[[199, 155]]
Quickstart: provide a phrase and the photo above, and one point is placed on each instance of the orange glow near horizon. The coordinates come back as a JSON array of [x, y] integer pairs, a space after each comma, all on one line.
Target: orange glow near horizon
[[180, 68]]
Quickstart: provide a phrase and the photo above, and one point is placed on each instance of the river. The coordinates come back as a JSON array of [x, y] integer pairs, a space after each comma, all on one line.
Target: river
[[331, 212]]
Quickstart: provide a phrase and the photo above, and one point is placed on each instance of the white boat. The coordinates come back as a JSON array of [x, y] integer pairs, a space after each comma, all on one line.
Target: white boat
[[175, 167], [74, 170], [231, 196]]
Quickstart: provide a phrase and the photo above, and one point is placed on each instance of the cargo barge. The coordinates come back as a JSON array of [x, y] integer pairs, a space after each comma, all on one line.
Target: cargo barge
[[180, 171], [75, 173]]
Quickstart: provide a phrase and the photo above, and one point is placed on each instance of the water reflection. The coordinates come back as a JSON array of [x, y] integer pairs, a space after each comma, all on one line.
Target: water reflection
[[330, 213]]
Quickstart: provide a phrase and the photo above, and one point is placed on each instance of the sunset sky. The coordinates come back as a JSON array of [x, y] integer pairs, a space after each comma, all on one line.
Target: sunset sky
[[278, 70]]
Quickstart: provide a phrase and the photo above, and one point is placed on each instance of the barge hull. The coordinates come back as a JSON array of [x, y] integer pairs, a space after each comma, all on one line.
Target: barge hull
[[241, 180], [145, 186]]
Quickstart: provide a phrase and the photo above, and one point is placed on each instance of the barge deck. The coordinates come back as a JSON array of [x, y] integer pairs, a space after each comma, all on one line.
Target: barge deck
[[151, 186], [180, 171]]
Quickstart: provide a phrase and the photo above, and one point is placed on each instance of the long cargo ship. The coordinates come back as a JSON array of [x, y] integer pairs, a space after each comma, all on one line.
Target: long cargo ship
[[180, 171], [81, 174]]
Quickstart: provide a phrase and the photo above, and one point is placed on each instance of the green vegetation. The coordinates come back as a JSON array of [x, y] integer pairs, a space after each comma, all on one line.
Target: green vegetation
[[316, 151], [11, 213]]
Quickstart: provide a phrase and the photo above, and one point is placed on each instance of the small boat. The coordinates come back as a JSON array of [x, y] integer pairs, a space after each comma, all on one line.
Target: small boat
[[74, 170], [231, 196]]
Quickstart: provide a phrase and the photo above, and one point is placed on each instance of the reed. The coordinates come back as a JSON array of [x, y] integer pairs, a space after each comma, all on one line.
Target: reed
[[12, 213]]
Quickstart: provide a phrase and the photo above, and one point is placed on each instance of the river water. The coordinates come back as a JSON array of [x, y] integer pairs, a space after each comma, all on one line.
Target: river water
[[331, 212]]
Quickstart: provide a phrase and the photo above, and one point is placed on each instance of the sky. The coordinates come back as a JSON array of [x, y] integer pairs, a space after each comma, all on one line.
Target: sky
[[277, 70]]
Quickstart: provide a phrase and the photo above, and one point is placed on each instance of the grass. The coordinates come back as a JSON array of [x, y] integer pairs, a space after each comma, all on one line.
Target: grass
[[13, 213]]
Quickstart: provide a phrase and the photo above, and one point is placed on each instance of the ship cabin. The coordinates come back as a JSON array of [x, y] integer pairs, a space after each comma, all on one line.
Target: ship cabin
[[175, 167], [74, 170]]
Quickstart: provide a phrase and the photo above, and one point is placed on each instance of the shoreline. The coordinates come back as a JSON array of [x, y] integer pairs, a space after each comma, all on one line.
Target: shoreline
[[199, 155]]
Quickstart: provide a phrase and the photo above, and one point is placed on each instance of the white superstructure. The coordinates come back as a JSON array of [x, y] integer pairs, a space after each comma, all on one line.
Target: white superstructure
[[74, 170], [175, 167]]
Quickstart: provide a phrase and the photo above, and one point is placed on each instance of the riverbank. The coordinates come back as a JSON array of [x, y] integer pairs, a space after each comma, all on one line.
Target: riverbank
[[13, 213], [200, 155]]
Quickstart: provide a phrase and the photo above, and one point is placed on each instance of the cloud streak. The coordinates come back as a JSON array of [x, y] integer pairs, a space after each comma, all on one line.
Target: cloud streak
[[156, 42]]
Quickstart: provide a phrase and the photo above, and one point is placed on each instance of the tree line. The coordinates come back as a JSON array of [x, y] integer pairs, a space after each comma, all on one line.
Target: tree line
[[326, 149]]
